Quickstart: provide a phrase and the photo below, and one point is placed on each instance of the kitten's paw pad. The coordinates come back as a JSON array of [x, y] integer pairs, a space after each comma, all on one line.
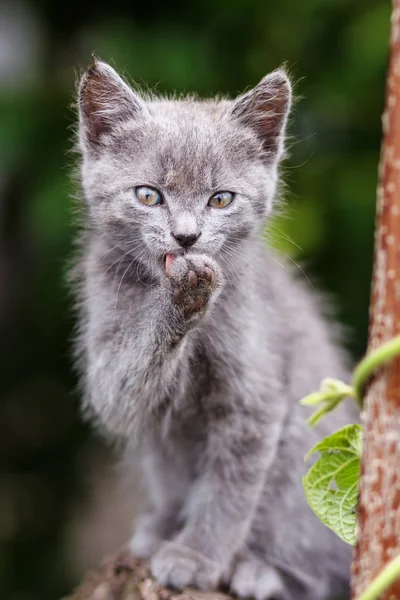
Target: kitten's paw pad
[[179, 567], [194, 280], [255, 579]]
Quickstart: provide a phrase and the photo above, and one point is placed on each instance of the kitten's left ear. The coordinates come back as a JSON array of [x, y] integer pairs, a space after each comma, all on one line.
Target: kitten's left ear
[[265, 109], [105, 101]]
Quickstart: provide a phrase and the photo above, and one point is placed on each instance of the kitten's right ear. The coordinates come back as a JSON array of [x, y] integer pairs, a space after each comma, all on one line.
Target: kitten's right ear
[[105, 101], [264, 109]]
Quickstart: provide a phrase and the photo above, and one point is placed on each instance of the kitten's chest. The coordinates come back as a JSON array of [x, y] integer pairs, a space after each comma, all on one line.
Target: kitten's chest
[[185, 417], [183, 434], [185, 420]]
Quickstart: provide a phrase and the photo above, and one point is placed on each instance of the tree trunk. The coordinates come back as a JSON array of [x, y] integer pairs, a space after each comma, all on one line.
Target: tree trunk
[[379, 507]]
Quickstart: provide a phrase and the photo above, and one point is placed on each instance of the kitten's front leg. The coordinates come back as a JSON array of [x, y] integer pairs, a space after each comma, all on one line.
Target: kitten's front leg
[[221, 505], [135, 357]]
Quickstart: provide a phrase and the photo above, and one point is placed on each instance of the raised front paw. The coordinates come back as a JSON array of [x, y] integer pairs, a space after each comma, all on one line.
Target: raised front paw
[[195, 280], [179, 567]]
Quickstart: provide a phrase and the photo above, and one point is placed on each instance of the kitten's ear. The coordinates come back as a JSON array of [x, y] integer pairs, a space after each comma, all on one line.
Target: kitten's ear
[[265, 110], [105, 101]]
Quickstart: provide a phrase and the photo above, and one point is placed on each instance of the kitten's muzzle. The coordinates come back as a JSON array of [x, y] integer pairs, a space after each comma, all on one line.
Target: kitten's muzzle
[[186, 240]]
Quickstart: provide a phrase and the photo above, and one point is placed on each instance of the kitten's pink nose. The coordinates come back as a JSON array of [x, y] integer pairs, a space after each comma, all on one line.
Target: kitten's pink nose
[[186, 239]]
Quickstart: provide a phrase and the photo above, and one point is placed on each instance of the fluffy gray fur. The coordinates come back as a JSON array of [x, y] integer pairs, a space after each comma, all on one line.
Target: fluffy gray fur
[[202, 368]]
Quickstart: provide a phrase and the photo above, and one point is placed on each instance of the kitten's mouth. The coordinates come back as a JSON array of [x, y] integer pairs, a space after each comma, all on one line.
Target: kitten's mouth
[[168, 260]]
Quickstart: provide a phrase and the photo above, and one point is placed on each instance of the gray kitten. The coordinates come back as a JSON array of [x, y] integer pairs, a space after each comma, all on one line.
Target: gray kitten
[[195, 345]]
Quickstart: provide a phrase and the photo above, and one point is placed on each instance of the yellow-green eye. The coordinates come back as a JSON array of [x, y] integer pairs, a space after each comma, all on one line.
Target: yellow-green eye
[[221, 200], [148, 196]]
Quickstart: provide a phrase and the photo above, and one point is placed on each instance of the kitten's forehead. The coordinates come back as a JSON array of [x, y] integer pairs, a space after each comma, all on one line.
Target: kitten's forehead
[[192, 145]]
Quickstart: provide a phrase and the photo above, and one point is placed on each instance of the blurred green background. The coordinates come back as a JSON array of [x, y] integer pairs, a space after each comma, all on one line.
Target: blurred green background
[[56, 480]]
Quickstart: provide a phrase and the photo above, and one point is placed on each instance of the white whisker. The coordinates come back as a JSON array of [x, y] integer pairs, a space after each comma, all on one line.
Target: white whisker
[[296, 264], [115, 261], [120, 283], [272, 232]]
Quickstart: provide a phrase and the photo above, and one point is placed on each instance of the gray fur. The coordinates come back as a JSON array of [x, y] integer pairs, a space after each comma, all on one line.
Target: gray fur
[[202, 368]]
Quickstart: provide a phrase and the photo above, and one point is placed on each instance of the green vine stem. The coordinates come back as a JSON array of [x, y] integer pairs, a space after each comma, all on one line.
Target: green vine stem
[[372, 362], [385, 578], [332, 392]]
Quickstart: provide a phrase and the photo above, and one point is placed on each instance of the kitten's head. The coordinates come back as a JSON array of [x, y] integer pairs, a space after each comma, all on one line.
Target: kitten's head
[[182, 175]]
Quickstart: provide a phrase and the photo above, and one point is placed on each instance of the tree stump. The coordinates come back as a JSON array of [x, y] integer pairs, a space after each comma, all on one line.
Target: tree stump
[[123, 577]]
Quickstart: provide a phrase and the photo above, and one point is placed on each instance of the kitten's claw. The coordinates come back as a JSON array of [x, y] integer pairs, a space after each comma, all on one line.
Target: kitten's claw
[[208, 274], [178, 566], [193, 278]]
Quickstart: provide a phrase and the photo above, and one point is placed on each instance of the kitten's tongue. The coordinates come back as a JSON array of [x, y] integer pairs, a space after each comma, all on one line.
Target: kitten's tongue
[[169, 259]]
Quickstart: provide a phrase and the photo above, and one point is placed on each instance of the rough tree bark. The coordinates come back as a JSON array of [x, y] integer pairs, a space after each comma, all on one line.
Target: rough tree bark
[[379, 508]]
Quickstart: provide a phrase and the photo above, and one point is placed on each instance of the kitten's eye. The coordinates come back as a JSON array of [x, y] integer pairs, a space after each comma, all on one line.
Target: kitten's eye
[[148, 196], [221, 200]]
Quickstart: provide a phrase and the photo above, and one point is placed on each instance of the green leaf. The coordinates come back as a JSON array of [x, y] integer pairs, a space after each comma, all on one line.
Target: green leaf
[[331, 484], [330, 394]]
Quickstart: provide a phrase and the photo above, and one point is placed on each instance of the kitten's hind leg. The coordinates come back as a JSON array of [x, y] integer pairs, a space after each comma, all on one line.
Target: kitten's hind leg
[[151, 529], [167, 480], [253, 578]]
